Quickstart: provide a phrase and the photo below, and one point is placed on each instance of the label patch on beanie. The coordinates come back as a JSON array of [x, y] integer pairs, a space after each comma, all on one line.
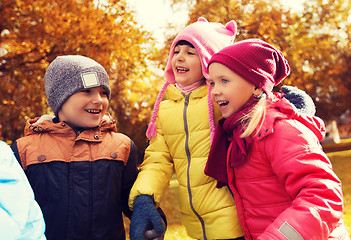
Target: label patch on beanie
[[90, 79]]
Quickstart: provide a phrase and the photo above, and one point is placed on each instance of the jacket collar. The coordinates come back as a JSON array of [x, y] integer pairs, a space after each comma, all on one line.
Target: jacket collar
[[283, 109], [45, 124], [175, 94]]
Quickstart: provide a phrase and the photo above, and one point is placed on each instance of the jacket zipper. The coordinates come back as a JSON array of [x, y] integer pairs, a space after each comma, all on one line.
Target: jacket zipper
[[91, 200], [237, 198], [186, 103]]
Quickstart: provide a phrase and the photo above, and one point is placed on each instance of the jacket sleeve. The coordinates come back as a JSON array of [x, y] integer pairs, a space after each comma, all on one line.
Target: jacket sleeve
[[299, 162], [21, 217], [155, 171], [129, 175], [15, 152]]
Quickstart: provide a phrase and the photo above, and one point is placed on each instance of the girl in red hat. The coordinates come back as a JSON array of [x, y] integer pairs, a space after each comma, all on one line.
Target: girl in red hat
[[268, 152]]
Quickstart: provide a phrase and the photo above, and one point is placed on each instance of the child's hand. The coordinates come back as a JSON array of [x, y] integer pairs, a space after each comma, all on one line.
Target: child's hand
[[153, 235], [145, 217]]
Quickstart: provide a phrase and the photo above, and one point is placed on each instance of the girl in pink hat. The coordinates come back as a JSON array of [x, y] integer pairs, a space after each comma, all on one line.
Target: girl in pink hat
[[268, 152], [179, 135]]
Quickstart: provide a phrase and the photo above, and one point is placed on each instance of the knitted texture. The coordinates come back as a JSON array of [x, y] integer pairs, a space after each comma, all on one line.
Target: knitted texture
[[256, 61], [300, 99], [145, 217], [210, 114], [151, 131], [207, 38], [69, 74]]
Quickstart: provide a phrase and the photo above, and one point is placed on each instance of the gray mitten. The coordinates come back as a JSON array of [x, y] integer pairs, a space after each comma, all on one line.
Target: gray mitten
[[145, 217]]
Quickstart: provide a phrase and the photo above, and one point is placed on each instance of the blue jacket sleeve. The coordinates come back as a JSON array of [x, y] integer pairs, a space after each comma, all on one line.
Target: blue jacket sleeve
[[20, 215]]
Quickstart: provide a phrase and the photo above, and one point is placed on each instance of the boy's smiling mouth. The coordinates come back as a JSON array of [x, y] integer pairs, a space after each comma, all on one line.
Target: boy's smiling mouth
[[93, 111]]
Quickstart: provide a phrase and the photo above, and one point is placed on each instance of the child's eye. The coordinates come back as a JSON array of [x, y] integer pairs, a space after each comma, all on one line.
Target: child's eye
[[191, 53], [85, 90], [176, 51], [224, 80], [104, 93], [212, 84]]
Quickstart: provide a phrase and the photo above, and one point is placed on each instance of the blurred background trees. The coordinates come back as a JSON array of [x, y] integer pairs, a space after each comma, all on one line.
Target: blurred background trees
[[316, 42], [34, 32]]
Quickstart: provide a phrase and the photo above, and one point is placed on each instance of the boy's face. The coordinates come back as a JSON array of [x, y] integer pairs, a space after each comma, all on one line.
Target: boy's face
[[186, 65], [85, 108], [229, 90]]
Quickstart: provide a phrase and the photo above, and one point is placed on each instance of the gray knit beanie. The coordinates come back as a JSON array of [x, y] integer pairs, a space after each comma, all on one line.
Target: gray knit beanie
[[69, 74]]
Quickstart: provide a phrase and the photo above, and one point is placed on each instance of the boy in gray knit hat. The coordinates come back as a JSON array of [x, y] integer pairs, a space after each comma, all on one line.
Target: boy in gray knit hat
[[81, 170], [67, 75]]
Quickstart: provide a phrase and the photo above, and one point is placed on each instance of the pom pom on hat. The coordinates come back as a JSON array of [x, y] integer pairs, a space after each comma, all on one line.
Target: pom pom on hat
[[301, 100], [207, 38], [256, 61], [69, 74]]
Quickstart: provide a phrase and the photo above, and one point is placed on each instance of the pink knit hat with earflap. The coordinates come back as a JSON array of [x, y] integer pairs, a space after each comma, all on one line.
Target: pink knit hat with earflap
[[256, 61], [207, 38]]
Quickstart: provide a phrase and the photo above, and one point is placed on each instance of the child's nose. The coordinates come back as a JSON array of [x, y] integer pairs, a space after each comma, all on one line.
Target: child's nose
[[214, 91], [180, 57]]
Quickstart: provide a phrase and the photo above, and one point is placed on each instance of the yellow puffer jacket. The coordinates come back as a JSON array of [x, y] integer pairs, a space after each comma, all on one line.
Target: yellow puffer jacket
[[182, 145]]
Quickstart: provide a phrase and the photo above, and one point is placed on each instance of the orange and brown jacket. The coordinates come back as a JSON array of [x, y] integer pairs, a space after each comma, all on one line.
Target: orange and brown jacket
[[81, 180]]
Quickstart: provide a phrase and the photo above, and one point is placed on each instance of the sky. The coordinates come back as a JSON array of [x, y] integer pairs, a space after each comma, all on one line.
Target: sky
[[154, 15]]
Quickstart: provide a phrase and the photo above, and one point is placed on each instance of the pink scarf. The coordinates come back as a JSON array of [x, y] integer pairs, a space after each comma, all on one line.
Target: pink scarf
[[227, 135], [191, 87]]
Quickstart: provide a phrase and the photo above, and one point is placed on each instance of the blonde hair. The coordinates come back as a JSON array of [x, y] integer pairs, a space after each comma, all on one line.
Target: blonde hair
[[253, 120]]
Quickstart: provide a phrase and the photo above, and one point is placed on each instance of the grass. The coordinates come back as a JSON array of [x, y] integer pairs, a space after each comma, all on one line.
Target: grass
[[170, 205], [345, 144], [175, 229], [342, 166], [341, 161]]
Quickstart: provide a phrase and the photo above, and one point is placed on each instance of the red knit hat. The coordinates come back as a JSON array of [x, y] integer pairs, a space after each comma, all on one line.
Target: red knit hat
[[256, 61]]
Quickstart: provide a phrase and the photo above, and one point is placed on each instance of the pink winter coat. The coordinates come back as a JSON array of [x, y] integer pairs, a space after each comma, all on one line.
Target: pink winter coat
[[287, 188]]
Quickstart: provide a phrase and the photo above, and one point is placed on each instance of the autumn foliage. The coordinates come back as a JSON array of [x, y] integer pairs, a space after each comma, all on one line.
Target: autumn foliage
[[316, 42], [34, 32]]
